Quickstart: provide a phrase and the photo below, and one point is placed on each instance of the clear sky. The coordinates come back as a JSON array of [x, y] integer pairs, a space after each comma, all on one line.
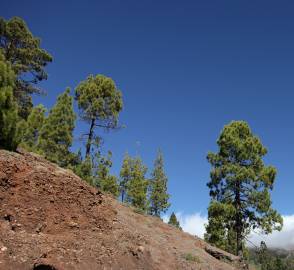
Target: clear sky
[[185, 68]]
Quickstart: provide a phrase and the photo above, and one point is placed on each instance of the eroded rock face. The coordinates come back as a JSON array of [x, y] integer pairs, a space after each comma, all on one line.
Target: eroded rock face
[[52, 220]]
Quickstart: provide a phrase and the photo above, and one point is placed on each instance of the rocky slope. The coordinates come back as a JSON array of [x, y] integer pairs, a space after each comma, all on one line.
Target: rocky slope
[[51, 219]]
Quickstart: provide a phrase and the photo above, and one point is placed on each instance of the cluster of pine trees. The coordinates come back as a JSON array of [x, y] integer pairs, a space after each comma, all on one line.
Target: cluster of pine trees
[[240, 182], [50, 132], [148, 195]]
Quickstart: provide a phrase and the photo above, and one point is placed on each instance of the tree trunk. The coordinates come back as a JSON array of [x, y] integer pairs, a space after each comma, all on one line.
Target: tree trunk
[[122, 195], [90, 138], [239, 227], [239, 239]]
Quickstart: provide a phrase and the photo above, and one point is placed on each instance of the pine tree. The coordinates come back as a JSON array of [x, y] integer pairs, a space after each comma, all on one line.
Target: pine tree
[[125, 175], [56, 135], [103, 179], [138, 185], [84, 170], [240, 179], [34, 124], [27, 59], [174, 222], [158, 188], [219, 230], [100, 103], [110, 185], [264, 257], [9, 122], [279, 265]]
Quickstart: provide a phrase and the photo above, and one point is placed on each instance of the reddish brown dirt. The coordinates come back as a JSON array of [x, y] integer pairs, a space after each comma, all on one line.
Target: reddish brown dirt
[[51, 219]]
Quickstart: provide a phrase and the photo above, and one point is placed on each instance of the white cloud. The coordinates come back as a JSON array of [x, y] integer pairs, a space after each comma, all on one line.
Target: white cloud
[[194, 224], [282, 239], [191, 223], [165, 218]]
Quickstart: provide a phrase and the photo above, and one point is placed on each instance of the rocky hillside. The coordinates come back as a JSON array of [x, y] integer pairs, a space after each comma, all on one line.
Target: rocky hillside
[[51, 219]]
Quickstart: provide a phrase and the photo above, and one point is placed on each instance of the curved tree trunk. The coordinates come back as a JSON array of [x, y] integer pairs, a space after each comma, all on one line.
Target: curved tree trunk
[[90, 138]]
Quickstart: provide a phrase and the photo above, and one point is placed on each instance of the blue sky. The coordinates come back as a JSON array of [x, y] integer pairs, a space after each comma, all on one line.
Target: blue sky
[[185, 68]]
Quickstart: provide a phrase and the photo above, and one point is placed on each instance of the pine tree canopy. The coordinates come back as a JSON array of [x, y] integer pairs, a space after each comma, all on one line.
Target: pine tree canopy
[[27, 59], [158, 188], [241, 181], [56, 135], [9, 122], [138, 185], [33, 126], [125, 175], [174, 221], [110, 185], [103, 179], [83, 168], [100, 103], [220, 230]]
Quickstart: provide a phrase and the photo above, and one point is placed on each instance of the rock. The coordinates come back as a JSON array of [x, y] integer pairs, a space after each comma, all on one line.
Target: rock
[[40, 227], [141, 249], [73, 224], [220, 254], [3, 249], [227, 257]]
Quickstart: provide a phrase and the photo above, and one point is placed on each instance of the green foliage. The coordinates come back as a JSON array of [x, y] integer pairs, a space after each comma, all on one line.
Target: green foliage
[[134, 186], [83, 168], [125, 175], [174, 222], [56, 135], [139, 211], [27, 59], [96, 171], [100, 103], [103, 179], [138, 185], [264, 258], [158, 188], [271, 259], [241, 181], [9, 122], [191, 258], [110, 185], [33, 127], [220, 231]]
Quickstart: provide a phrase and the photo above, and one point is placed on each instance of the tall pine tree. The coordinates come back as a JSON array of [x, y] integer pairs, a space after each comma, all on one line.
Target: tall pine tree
[[158, 188], [138, 185], [125, 175], [28, 60], [9, 131], [33, 127], [100, 103], [56, 135], [240, 180]]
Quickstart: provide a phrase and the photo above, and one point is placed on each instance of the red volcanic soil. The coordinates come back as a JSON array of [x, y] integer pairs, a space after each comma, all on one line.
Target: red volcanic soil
[[51, 219]]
